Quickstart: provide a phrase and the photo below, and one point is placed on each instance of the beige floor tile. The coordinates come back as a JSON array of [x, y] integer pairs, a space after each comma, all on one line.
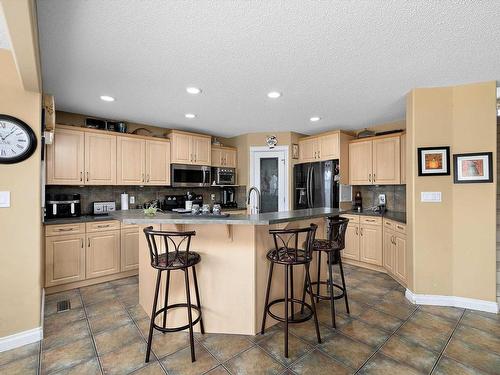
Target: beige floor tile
[[363, 332], [476, 337], [110, 320], [67, 356], [99, 296], [380, 320], [103, 307], [219, 370], [90, 367], [151, 369], [399, 310], [66, 334], [426, 337], [410, 353], [24, 366], [224, 347], [317, 363], [113, 339], [95, 288], [56, 322], [473, 356], [50, 306], [19, 353], [180, 363], [275, 346], [126, 359], [168, 343], [433, 322], [380, 364], [254, 361], [448, 366], [482, 322], [125, 281], [307, 331], [346, 350], [451, 313], [137, 312]]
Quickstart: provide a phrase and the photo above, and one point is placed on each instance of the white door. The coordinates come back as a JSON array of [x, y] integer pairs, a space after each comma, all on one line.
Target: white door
[[269, 173]]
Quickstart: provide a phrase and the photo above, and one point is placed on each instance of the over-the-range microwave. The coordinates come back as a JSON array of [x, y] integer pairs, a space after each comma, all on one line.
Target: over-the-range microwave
[[184, 175]]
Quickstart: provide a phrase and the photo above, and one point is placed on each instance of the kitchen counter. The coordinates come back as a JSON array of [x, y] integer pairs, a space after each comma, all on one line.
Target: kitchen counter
[[138, 217], [391, 215], [78, 219]]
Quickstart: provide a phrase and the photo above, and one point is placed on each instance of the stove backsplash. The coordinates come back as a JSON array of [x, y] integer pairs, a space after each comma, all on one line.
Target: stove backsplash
[[395, 196], [90, 194]]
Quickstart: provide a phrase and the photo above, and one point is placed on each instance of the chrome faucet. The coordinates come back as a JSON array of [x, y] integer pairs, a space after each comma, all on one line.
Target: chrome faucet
[[254, 209]]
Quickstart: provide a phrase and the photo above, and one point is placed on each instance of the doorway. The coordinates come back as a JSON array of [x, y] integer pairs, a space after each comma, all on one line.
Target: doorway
[[269, 173]]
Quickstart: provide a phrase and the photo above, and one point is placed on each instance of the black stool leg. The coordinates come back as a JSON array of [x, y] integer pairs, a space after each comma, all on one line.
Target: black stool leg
[[202, 328], [286, 311], [332, 299], [313, 306], [343, 284], [291, 291], [319, 276], [166, 300], [267, 298], [190, 316], [153, 313]]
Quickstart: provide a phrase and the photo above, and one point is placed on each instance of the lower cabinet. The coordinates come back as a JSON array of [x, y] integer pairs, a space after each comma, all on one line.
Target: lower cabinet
[[129, 249], [64, 259], [370, 244], [103, 254], [395, 259], [351, 250]]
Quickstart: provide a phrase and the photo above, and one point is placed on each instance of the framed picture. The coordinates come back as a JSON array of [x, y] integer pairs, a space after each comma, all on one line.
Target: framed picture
[[434, 161], [473, 168], [295, 151]]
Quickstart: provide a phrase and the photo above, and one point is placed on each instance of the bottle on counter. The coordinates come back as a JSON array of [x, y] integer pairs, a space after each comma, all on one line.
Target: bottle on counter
[[358, 201]]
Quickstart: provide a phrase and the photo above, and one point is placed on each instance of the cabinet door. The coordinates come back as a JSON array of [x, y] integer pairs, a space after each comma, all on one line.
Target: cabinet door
[[100, 159], [217, 157], [403, 159], [202, 150], [65, 158], [129, 249], [400, 263], [386, 161], [157, 163], [103, 253], [351, 250], [308, 150], [360, 163], [130, 163], [371, 244], [230, 160], [388, 251], [64, 259], [329, 147], [181, 152]]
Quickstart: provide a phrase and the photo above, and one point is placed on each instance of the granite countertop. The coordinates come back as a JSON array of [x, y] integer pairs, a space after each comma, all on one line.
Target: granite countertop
[[78, 219], [391, 215], [138, 217]]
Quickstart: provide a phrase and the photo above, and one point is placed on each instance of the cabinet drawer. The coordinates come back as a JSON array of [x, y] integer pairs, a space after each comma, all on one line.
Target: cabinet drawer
[[388, 224], [60, 229], [374, 220], [129, 226], [401, 228], [395, 226], [353, 219], [102, 226]]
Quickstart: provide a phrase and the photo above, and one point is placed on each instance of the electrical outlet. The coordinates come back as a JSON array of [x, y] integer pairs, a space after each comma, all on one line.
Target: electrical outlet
[[381, 199], [131, 199], [5, 199], [212, 197]]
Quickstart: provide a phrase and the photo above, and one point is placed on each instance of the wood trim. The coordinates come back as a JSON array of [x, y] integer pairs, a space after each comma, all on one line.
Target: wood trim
[[64, 229], [224, 147], [348, 133], [364, 265], [99, 131], [398, 134], [173, 131]]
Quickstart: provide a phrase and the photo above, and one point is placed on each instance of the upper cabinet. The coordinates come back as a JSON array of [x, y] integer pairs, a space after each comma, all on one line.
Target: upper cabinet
[[189, 148], [224, 157], [375, 161], [157, 162], [100, 159], [66, 158], [308, 150]]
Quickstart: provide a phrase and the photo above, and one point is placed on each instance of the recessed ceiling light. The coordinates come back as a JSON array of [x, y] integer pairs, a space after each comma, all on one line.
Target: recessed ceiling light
[[107, 98], [193, 90], [189, 115], [315, 118], [273, 94]]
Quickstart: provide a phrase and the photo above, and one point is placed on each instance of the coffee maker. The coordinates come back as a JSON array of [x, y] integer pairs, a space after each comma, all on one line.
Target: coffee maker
[[228, 197]]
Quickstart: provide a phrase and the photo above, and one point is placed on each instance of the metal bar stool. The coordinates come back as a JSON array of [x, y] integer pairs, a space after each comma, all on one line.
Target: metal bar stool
[[173, 258], [289, 255], [332, 246]]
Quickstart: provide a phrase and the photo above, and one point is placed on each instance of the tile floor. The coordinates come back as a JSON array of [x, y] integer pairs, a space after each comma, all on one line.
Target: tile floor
[[105, 332]]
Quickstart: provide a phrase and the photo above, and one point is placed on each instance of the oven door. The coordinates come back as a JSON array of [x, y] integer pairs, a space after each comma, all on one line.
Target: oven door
[[190, 175]]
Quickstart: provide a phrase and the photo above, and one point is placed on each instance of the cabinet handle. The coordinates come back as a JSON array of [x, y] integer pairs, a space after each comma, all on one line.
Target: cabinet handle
[[65, 229], [399, 227], [81, 176], [142, 177], [370, 220], [88, 242], [357, 231], [361, 230], [87, 176], [147, 177], [374, 177], [103, 226], [369, 177], [81, 242]]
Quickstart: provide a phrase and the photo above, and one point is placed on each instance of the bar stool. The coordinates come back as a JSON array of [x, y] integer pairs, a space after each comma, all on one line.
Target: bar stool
[[332, 246], [174, 258], [289, 256]]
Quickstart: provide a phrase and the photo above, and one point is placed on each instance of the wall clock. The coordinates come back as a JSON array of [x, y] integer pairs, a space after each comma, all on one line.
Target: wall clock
[[17, 140]]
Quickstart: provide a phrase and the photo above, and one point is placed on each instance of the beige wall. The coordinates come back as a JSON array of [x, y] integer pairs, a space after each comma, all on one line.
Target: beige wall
[[20, 225], [452, 244]]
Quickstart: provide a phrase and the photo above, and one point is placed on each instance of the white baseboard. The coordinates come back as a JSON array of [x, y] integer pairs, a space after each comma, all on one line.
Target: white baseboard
[[19, 339], [467, 303]]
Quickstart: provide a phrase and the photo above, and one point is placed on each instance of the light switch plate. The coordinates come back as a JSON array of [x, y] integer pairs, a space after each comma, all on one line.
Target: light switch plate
[[430, 196], [131, 199], [4, 199]]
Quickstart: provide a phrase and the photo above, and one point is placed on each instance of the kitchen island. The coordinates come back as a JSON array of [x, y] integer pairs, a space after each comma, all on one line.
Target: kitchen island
[[233, 271]]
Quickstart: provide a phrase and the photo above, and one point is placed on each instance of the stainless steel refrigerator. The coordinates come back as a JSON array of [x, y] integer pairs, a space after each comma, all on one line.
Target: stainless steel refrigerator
[[316, 184]]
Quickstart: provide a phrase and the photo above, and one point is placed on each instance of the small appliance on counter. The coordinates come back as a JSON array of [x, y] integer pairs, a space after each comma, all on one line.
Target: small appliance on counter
[[358, 201], [381, 204], [62, 205], [178, 202], [124, 201], [228, 197], [223, 176], [103, 208]]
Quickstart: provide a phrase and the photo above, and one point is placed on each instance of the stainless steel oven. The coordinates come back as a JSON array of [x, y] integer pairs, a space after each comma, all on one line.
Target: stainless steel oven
[[224, 176], [184, 175]]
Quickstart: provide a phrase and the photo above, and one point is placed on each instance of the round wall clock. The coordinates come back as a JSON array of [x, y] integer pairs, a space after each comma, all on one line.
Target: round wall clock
[[17, 140]]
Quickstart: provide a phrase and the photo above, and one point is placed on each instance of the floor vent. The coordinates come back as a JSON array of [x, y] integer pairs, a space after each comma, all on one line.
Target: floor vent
[[63, 305]]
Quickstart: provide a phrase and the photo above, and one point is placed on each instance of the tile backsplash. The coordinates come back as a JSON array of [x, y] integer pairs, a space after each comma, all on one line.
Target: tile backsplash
[[395, 196], [90, 194]]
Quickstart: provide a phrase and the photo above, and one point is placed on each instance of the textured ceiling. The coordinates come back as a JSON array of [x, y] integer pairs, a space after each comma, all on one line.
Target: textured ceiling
[[350, 62], [4, 35]]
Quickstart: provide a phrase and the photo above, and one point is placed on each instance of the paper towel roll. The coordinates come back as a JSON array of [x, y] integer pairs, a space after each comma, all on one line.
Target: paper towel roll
[[124, 199]]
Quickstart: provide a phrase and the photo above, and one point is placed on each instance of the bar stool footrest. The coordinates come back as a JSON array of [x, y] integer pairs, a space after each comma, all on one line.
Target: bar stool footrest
[[308, 315], [176, 329], [327, 298]]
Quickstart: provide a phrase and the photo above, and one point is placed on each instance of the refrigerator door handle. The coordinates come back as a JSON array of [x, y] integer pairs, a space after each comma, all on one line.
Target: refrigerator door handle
[[311, 188], [308, 187]]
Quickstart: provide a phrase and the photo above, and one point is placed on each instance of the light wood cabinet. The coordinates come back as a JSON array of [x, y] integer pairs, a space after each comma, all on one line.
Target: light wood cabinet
[[360, 163], [351, 250], [309, 150], [188, 148], [329, 146], [400, 262], [395, 260], [403, 159], [370, 244], [388, 250], [386, 161], [157, 163], [66, 158], [224, 157], [64, 259], [320, 148], [100, 159], [102, 254], [129, 249], [131, 161]]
